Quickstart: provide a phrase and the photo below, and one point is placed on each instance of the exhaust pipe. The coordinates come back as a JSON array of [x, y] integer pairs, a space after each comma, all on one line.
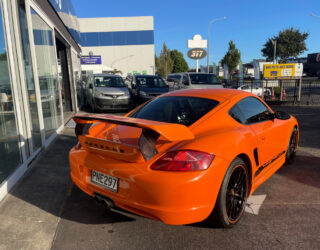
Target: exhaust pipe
[[107, 202]]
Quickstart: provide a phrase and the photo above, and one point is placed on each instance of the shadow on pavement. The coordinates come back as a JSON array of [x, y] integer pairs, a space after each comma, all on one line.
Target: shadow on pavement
[[305, 169], [309, 120], [48, 186]]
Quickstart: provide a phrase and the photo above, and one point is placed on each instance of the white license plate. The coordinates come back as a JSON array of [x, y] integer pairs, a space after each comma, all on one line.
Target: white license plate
[[104, 180]]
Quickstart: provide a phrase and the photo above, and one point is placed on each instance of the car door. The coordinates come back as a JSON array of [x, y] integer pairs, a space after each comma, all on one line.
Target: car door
[[268, 130], [185, 81]]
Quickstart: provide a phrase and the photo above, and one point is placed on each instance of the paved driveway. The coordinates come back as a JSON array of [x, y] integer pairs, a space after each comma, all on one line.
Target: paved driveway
[[283, 213]]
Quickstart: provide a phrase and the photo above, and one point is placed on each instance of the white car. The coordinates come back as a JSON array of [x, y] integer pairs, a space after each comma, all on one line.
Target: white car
[[255, 90]]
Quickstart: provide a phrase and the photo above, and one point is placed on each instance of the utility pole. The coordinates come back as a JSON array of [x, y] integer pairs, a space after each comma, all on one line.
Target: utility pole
[[274, 42], [211, 22]]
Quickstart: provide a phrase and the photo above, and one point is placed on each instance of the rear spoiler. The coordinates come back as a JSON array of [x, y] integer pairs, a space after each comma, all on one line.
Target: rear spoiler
[[151, 130]]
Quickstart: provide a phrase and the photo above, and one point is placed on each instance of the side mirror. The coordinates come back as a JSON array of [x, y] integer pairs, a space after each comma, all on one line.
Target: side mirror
[[281, 115]]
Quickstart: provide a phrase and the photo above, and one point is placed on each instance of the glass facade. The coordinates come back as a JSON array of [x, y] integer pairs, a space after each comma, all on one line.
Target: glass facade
[[31, 97], [47, 73], [29, 78], [10, 154]]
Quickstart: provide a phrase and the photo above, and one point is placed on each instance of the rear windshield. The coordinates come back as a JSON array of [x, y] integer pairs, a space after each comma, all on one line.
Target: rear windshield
[[175, 109], [204, 79], [108, 81], [150, 82]]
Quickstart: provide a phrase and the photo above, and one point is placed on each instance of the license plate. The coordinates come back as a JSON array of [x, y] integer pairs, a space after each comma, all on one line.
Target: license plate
[[104, 180]]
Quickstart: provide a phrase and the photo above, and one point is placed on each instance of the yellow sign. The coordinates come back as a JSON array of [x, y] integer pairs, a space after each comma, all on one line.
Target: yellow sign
[[283, 71]]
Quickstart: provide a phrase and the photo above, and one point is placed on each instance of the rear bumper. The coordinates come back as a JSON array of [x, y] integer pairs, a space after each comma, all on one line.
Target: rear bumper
[[173, 198]]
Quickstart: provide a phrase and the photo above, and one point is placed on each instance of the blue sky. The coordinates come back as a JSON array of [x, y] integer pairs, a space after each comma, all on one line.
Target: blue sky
[[249, 22]]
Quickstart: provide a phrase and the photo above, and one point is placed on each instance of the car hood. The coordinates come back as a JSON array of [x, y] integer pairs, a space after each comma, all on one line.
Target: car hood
[[113, 90]]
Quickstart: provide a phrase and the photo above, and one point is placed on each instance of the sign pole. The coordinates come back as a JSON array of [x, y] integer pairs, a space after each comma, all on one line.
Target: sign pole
[[197, 65]]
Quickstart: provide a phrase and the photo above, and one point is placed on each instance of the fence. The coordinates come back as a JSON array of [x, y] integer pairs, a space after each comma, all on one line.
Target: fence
[[282, 91]]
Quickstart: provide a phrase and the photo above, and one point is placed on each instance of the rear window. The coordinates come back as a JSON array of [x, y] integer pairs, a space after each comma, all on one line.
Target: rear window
[[150, 82], [204, 79], [175, 109]]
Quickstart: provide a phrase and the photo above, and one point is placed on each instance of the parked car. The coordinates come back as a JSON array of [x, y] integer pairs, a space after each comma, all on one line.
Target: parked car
[[107, 92], [146, 87], [255, 90], [185, 156], [193, 80]]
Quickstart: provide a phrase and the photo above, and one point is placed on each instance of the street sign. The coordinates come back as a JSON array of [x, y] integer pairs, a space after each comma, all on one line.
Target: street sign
[[197, 53], [90, 59], [283, 71], [197, 42]]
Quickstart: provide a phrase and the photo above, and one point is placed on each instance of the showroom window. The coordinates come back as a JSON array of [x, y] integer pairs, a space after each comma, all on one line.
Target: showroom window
[[29, 78], [10, 155], [47, 73]]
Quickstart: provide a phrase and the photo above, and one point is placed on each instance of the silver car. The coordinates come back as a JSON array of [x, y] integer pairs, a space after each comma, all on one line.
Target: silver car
[[107, 92], [192, 80]]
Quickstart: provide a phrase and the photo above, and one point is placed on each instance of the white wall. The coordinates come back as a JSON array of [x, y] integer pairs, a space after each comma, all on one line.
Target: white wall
[[127, 58]]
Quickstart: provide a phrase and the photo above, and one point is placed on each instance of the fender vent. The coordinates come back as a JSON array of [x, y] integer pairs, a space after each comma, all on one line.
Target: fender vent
[[255, 153]]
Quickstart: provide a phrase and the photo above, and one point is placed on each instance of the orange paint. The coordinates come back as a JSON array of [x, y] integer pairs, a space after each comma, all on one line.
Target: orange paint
[[177, 197]]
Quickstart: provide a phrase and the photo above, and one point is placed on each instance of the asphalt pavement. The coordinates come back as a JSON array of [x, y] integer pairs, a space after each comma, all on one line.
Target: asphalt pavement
[[45, 211]]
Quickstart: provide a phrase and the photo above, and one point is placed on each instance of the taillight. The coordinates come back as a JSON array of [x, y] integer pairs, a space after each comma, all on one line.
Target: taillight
[[184, 160], [78, 146]]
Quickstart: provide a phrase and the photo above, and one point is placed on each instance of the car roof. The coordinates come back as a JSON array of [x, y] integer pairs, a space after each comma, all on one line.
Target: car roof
[[146, 76], [210, 93], [109, 75], [198, 73]]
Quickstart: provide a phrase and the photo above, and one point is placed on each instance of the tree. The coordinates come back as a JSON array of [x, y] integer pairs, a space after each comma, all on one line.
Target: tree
[[179, 63], [3, 56], [231, 58], [164, 63], [290, 43]]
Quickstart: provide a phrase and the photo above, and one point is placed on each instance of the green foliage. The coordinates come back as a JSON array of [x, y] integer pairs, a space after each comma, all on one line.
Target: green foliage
[[179, 63], [231, 58], [290, 43], [164, 62], [3, 56]]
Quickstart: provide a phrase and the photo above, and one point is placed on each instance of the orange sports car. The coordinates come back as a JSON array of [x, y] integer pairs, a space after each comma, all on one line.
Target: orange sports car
[[185, 156]]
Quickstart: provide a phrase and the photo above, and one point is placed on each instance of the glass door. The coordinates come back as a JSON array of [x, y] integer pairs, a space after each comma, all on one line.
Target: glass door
[[47, 73], [10, 153]]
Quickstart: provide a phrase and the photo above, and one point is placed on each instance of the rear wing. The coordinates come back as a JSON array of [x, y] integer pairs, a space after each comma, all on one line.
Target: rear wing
[[151, 130]]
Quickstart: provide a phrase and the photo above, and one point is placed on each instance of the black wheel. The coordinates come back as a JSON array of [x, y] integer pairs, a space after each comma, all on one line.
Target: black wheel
[[292, 146], [233, 195]]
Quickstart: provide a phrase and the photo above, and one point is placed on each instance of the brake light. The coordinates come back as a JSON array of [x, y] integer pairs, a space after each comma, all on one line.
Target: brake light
[[184, 160]]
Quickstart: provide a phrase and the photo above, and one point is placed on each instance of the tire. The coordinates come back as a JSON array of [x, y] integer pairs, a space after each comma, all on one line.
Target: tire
[[292, 146], [232, 197]]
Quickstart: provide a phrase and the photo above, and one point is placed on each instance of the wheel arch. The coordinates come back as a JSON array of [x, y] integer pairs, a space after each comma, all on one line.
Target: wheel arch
[[247, 161]]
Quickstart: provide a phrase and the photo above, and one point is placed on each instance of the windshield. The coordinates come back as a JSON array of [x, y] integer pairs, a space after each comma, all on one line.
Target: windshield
[[204, 79], [175, 109], [108, 81], [150, 82]]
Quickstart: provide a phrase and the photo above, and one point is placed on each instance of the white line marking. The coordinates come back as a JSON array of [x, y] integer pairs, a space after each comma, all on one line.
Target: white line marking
[[254, 203]]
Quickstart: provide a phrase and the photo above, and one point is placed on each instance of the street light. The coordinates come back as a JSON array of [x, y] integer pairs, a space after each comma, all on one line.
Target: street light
[[211, 22], [274, 42]]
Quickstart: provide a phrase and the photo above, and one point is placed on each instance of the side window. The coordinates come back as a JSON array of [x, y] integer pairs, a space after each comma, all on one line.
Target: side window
[[185, 79], [253, 110], [236, 114]]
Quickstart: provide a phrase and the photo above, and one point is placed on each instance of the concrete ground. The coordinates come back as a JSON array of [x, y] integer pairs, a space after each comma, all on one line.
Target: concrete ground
[[44, 211]]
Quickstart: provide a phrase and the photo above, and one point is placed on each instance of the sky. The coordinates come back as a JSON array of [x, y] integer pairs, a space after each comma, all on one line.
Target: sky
[[249, 23]]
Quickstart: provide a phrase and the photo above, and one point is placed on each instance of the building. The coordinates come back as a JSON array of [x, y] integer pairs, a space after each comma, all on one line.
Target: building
[[39, 68], [125, 44]]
